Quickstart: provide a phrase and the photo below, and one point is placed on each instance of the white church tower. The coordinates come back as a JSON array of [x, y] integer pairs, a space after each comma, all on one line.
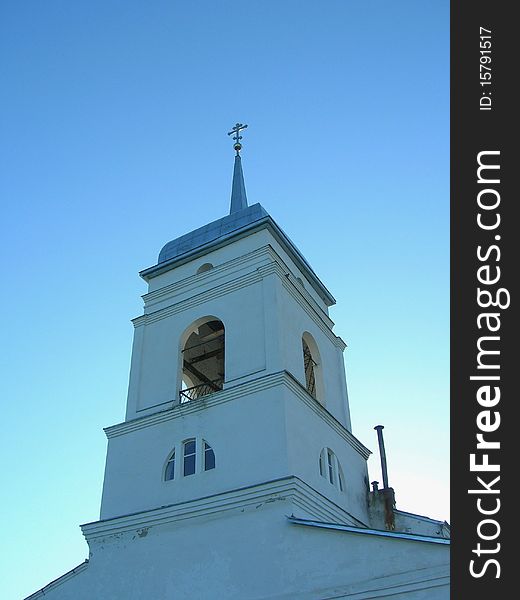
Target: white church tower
[[235, 474]]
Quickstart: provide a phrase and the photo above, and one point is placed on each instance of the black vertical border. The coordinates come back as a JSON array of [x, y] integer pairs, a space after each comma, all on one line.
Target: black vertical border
[[472, 131]]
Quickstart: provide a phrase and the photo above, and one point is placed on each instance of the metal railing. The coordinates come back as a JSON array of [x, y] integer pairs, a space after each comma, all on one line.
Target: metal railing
[[197, 391]]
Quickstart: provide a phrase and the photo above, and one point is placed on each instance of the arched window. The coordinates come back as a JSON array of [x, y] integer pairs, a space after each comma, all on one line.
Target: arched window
[[331, 470], [195, 456], [169, 471], [203, 367], [208, 457], [189, 457]]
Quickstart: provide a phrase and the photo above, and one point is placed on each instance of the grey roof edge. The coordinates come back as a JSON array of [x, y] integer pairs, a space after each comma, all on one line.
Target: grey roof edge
[[264, 222], [43, 591], [211, 231], [421, 517], [414, 537]]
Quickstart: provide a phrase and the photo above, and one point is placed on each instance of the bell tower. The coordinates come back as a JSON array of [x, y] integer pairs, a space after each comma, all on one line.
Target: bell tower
[[235, 473], [237, 378]]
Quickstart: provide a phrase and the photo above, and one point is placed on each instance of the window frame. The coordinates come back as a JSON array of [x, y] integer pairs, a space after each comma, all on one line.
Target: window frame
[[186, 455], [201, 455], [207, 449], [331, 470], [170, 461]]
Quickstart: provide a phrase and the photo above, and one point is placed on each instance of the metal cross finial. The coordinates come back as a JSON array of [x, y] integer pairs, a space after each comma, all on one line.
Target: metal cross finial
[[237, 137]]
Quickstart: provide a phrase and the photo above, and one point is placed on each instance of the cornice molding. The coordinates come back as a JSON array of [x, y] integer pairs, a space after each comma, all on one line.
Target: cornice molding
[[276, 265], [216, 292], [324, 414], [211, 276], [239, 391], [303, 298], [288, 489], [264, 223]]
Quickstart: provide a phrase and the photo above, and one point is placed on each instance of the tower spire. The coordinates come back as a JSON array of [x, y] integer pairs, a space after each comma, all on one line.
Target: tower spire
[[238, 188]]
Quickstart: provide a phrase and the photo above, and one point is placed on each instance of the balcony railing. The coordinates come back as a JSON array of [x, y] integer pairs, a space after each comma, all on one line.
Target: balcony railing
[[197, 391]]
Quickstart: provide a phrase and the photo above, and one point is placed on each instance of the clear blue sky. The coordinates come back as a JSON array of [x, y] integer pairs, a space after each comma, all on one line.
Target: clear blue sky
[[114, 117]]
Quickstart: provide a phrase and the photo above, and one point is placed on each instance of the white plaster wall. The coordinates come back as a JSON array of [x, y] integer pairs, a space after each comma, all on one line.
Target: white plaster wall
[[247, 435], [238, 247], [257, 436], [255, 554], [307, 436], [157, 379]]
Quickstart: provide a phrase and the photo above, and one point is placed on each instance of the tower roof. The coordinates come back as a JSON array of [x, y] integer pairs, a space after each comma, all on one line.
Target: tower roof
[[238, 188], [242, 220], [221, 232]]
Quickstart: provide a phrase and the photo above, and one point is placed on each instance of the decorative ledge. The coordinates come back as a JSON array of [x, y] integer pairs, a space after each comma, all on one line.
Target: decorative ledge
[[239, 391], [288, 489]]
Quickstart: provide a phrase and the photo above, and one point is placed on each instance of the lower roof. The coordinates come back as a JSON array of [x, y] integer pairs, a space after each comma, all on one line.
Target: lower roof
[[367, 531]]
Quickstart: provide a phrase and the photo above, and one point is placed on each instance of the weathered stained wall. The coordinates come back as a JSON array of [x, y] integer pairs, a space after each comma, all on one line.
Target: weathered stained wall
[[253, 554]]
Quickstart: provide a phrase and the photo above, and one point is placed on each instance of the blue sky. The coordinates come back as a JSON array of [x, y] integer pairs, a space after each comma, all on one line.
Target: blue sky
[[114, 118]]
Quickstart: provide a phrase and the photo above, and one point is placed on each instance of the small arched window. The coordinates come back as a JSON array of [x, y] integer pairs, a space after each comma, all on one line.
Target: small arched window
[[330, 469], [205, 267], [195, 455], [169, 472]]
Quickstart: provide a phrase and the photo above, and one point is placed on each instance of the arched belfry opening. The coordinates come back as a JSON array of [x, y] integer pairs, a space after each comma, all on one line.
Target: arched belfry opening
[[203, 360], [312, 367]]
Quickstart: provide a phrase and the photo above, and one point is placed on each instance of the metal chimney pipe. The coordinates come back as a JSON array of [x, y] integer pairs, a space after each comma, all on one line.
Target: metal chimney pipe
[[382, 454]]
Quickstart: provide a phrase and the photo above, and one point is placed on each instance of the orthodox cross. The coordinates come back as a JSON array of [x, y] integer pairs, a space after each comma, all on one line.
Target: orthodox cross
[[237, 137]]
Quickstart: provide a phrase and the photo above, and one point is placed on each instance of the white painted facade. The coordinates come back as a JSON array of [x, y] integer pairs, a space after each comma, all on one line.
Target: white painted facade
[[266, 522]]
